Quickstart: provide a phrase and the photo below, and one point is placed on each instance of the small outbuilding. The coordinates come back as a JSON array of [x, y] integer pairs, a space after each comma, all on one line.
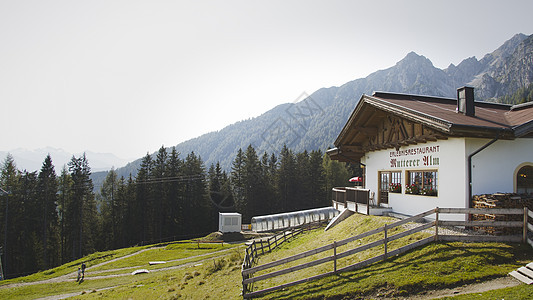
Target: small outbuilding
[[229, 222]]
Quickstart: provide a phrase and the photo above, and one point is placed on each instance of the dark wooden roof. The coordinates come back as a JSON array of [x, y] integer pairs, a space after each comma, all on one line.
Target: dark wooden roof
[[390, 120]]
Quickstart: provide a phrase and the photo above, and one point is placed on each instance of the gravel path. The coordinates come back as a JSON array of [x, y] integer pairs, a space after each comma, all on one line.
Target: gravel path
[[70, 276], [90, 275], [495, 284]]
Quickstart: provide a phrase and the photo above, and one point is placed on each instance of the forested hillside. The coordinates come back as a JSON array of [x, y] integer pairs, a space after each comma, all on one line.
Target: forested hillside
[[51, 219]]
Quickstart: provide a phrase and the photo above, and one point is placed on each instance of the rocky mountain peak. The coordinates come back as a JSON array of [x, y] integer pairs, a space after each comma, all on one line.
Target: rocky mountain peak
[[412, 58], [496, 58]]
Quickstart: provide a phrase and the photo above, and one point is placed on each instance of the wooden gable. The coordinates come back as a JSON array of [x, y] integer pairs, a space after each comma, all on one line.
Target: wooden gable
[[394, 132], [371, 128]]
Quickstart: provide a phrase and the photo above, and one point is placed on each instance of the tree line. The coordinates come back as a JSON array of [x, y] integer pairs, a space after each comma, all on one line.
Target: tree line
[[48, 219]]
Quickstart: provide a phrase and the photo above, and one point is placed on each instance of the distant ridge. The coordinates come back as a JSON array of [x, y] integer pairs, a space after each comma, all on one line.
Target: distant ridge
[[32, 160], [314, 122]]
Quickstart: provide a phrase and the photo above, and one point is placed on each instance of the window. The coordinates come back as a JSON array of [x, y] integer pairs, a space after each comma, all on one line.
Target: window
[[422, 183], [227, 221], [395, 182], [390, 182], [524, 180]]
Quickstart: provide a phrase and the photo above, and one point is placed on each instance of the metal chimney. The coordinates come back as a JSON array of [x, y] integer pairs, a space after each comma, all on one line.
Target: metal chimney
[[465, 101]]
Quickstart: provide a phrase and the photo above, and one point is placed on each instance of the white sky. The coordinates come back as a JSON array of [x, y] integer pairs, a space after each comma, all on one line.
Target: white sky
[[126, 77]]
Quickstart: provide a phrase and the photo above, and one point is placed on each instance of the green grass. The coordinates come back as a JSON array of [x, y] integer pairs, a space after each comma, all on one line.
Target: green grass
[[217, 275], [179, 252], [92, 259], [169, 253], [216, 279], [520, 292], [434, 266]]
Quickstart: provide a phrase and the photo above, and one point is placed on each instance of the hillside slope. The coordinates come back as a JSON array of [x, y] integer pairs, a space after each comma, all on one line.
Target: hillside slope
[[433, 267], [213, 271]]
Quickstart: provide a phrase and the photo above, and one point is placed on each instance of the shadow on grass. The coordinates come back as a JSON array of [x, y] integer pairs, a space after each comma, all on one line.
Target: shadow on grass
[[434, 266]]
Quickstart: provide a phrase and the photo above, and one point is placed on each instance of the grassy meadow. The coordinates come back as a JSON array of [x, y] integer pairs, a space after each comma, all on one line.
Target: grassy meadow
[[213, 271]]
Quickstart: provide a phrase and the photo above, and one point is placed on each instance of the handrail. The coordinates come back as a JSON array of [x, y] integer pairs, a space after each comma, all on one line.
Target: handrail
[[250, 270]]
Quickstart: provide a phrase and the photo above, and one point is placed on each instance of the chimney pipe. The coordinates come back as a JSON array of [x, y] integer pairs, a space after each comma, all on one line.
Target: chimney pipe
[[465, 101]]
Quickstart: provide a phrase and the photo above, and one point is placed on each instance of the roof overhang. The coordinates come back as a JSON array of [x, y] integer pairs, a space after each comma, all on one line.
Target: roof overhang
[[355, 138], [345, 156], [524, 130]]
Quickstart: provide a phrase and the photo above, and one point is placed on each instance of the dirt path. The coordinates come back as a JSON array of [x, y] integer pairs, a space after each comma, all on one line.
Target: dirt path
[[89, 275], [495, 284], [185, 265], [70, 276]]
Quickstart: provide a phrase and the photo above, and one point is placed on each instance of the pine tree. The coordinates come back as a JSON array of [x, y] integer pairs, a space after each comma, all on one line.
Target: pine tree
[[131, 213], [318, 180], [64, 196], [160, 191], [265, 189], [237, 182], [109, 211], [336, 174], [143, 208], [29, 250], [199, 217], [272, 174], [216, 196], [9, 182], [81, 209], [303, 178], [287, 181], [252, 183], [47, 203], [176, 189]]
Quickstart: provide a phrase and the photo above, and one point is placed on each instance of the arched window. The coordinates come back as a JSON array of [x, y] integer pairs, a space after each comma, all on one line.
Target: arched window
[[524, 180]]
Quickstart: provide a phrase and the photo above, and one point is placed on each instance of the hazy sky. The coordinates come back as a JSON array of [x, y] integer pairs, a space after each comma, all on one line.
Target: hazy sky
[[126, 77]]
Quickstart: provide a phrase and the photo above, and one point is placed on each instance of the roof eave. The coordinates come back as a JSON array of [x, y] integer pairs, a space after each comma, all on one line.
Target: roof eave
[[351, 119], [523, 129], [410, 114], [481, 131]]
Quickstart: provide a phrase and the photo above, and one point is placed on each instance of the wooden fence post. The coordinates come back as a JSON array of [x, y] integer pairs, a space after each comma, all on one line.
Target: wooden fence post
[[436, 223], [524, 236], [335, 257], [385, 239]]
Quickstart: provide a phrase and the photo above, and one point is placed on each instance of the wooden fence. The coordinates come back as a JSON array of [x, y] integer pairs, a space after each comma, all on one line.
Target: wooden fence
[[262, 246], [248, 269]]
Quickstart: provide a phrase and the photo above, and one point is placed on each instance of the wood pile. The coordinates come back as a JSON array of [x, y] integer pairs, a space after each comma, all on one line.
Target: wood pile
[[500, 200]]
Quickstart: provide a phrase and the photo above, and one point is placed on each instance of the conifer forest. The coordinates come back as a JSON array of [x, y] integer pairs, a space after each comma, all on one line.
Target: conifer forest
[[50, 217]]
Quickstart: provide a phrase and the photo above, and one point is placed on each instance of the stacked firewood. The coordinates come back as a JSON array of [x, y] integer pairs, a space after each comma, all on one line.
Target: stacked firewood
[[500, 200]]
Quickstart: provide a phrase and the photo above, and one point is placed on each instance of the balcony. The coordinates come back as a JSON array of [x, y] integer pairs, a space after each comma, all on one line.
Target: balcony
[[357, 199]]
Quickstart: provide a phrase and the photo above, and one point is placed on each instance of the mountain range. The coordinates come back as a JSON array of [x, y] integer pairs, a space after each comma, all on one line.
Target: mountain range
[[315, 121], [32, 160]]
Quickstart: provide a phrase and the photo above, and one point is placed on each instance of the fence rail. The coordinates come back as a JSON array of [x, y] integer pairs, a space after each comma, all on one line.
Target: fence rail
[[248, 270], [259, 247]]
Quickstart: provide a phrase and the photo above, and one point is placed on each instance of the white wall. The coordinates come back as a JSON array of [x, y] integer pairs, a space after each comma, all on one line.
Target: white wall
[[451, 182], [494, 169], [229, 222]]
